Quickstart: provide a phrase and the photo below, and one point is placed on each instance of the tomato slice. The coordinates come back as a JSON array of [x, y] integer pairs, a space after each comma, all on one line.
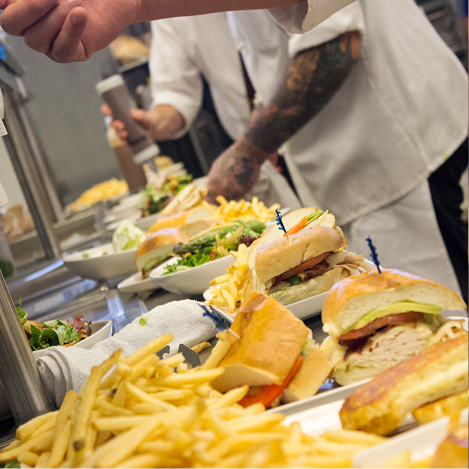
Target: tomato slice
[[270, 392]]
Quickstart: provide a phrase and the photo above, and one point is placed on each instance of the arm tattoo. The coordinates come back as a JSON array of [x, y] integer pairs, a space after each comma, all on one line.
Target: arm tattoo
[[313, 78]]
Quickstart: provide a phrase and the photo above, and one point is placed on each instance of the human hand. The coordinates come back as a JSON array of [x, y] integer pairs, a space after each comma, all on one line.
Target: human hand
[[67, 30], [235, 171], [117, 125], [163, 122]]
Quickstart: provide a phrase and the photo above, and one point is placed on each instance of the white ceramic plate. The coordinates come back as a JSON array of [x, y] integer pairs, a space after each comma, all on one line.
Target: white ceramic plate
[[101, 263], [146, 222], [193, 281], [301, 309], [100, 330], [136, 284]]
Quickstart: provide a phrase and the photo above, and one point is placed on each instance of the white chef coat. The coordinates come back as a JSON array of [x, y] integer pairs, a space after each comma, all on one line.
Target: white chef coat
[[182, 48], [401, 112], [306, 15]]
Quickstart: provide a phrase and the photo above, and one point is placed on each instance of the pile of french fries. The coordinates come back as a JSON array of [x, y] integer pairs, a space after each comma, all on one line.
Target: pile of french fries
[[137, 411], [102, 191], [241, 210], [230, 289]]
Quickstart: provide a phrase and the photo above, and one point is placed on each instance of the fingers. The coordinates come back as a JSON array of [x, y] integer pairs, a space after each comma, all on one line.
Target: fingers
[[106, 110], [20, 15], [140, 116], [67, 46]]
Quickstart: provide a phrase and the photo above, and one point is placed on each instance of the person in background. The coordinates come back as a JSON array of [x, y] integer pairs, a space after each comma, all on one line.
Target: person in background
[[71, 31], [372, 119], [182, 50]]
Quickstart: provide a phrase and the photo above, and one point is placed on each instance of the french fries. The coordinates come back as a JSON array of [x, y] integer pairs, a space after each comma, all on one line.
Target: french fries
[[230, 289], [102, 191], [241, 210], [154, 417]]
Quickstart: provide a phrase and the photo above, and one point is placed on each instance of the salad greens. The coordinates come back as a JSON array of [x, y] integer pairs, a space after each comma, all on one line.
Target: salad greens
[[50, 333], [214, 244], [127, 236], [175, 184], [154, 200]]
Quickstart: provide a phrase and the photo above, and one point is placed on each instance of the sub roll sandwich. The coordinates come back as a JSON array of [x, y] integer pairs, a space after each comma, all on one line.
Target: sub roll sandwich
[[158, 248], [307, 261], [376, 320], [271, 351], [382, 404]]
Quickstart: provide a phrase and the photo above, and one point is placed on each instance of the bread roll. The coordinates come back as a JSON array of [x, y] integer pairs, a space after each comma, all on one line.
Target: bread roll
[[282, 255], [381, 405], [351, 298], [271, 338]]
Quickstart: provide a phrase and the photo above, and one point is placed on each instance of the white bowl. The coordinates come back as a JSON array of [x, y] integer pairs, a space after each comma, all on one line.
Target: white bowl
[[101, 263], [146, 222], [100, 330], [193, 281]]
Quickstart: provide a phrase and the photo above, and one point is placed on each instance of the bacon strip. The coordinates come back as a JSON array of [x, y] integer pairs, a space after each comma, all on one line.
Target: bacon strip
[[300, 268]]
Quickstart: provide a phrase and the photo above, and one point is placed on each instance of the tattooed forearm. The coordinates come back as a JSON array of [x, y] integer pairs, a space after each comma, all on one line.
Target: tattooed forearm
[[235, 171], [313, 78]]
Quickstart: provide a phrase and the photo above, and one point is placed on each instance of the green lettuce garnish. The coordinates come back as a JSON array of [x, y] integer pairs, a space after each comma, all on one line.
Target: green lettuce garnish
[[186, 263]]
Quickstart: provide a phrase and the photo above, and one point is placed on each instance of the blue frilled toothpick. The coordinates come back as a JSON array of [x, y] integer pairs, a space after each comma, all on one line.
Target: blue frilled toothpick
[[280, 222], [374, 254]]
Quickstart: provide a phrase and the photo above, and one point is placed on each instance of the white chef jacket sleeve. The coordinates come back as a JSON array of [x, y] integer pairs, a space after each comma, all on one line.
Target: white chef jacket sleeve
[[303, 16], [349, 18], [175, 80]]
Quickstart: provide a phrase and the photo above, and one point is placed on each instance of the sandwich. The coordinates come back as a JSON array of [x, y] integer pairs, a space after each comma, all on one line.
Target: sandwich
[[191, 221], [214, 243], [376, 320], [306, 262], [450, 406], [157, 248], [272, 352], [380, 405]]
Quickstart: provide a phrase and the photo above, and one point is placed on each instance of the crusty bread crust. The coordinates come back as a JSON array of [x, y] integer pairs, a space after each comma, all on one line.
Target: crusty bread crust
[[283, 254], [270, 340], [380, 405], [158, 243], [315, 370], [451, 405], [348, 300]]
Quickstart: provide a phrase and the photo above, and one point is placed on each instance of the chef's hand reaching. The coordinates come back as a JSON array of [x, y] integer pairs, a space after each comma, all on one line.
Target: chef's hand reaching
[[163, 122], [68, 30], [235, 171], [72, 30]]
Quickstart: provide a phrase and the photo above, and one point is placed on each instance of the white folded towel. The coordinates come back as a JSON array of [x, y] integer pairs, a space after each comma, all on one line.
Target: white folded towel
[[65, 368]]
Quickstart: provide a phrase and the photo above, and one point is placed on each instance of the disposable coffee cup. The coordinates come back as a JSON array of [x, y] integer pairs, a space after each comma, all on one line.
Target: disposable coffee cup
[[115, 94]]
